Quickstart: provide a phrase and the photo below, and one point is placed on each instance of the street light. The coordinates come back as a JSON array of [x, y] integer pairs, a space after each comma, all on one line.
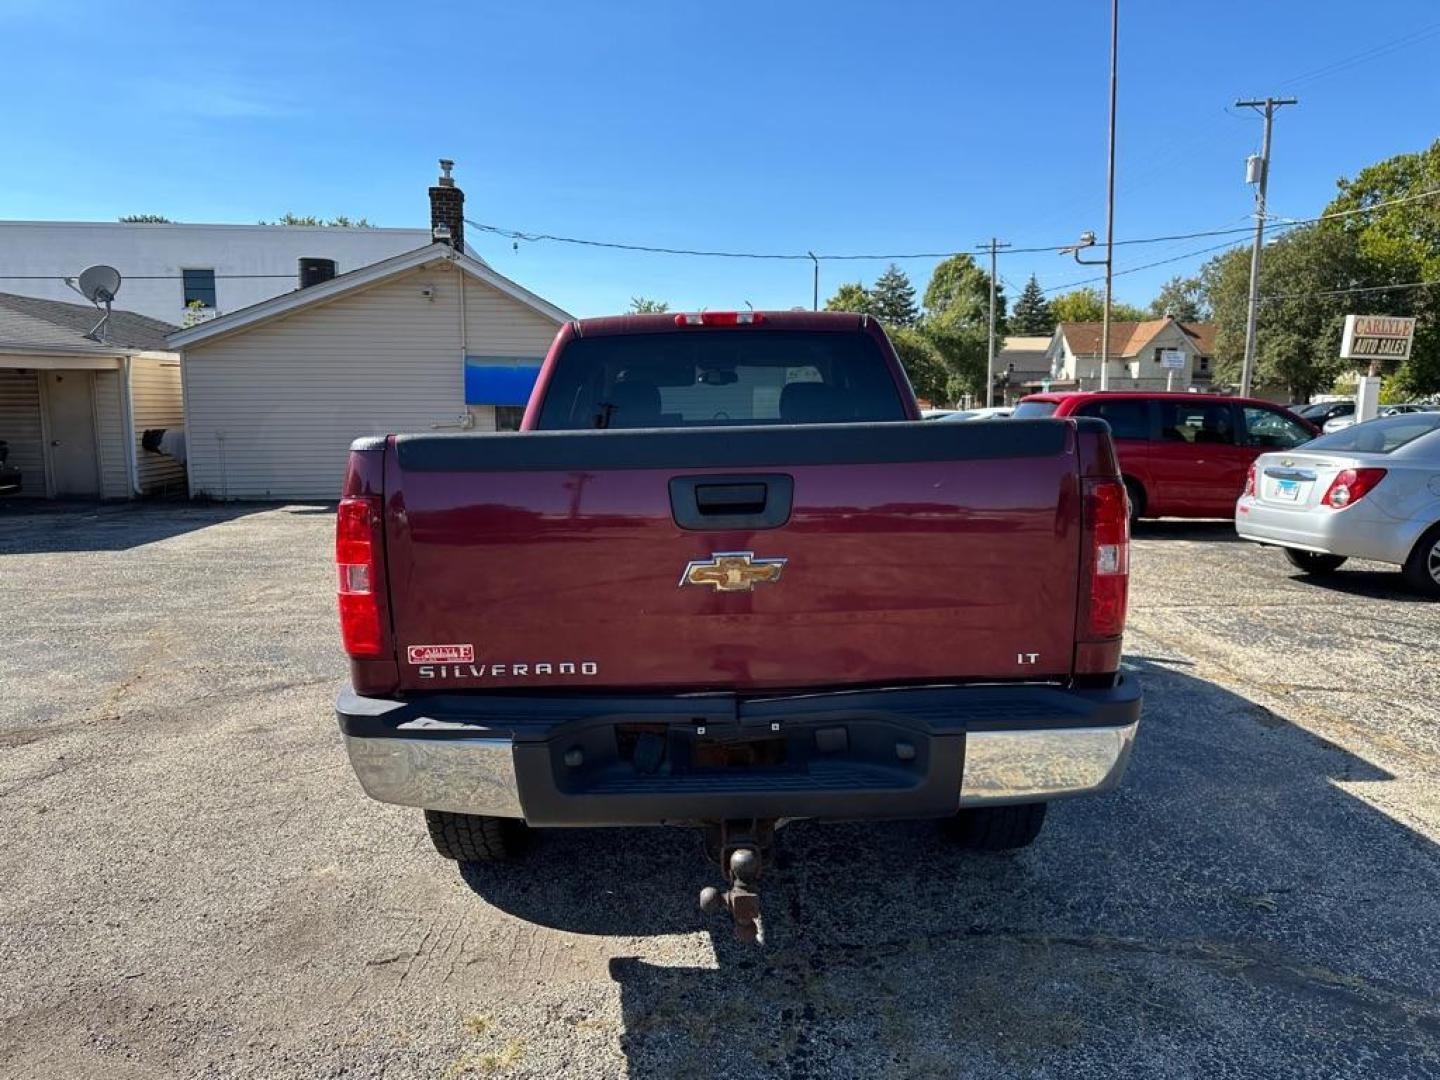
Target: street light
[[1087, 240]]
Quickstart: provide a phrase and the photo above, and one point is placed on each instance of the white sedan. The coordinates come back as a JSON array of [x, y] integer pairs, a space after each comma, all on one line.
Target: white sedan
[[1371, 491], [999, 412]]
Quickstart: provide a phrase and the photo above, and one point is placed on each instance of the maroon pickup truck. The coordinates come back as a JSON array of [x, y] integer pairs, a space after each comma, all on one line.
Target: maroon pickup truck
[[725, 577]]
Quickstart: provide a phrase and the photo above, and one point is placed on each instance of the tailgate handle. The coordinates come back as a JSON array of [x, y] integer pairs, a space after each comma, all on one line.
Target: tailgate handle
[[731, 498], [750, 501]]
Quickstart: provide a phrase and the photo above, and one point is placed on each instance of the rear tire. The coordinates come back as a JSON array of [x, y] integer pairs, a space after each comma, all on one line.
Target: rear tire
[[1422, 568], [1135, 493], [1313, 562], [471, 838], [996, 828]]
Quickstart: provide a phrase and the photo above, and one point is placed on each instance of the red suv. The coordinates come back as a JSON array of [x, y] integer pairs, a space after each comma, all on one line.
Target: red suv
[[1182, 455]]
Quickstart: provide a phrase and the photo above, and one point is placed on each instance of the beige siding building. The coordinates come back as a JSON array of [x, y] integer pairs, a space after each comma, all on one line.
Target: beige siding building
[[1136, 355], [74, 407], [275, 393]]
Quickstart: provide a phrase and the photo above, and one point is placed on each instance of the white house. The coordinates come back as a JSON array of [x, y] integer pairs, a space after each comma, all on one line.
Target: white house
[[166, 266], [74, 409], [1135, 355], [429, 339]]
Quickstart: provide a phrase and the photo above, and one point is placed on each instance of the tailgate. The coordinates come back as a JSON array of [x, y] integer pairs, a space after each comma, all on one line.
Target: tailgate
[[911, 552]]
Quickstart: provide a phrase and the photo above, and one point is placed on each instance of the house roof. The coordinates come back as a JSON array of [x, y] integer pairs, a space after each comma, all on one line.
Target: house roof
[[35, 325], [1130, 338], [1026, 354], [356, 279]]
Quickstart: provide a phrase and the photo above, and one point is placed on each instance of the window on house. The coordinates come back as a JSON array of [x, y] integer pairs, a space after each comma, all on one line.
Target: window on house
[[1204, 363], [508, 417], [199, 287]]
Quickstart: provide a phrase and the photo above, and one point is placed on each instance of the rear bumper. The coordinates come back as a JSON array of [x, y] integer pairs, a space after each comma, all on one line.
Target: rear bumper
[[899, 753], [1358, 532]]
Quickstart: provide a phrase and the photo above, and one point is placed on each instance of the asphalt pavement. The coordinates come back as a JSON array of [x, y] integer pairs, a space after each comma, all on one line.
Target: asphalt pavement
[[193, 884]]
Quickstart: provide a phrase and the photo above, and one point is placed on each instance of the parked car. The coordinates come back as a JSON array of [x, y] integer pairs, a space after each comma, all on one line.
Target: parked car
[[718, 579], [1340, 423], [999, 412], [1371, 491], [1181, 455], [1320, 413]]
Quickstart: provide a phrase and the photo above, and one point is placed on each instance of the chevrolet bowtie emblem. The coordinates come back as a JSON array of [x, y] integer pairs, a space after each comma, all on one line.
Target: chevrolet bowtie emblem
[[732, 571]]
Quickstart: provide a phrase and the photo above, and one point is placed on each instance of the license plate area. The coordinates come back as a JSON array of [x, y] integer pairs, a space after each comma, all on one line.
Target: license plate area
[[1286, 490], [748, 754]]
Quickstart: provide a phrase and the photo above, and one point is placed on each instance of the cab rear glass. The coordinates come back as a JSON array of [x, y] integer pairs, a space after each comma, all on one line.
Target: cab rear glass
[[700, 378], [1034, 410]]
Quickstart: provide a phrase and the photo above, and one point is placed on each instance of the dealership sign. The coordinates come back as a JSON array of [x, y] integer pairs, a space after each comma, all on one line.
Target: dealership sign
[[1377, 337]]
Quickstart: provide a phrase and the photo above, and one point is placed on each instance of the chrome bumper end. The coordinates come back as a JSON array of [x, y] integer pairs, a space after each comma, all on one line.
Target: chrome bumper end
[[466, 776], [1040, 765]]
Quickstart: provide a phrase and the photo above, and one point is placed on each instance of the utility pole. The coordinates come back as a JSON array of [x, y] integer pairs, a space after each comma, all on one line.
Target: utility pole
[[1267, 109], [816, 300], [1110, 202], [995, 245]]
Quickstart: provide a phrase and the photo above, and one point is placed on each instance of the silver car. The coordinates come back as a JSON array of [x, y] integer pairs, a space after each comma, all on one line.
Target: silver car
[[1371, 491]]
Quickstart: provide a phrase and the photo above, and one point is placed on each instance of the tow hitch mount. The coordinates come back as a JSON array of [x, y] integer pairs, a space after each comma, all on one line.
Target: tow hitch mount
[[739, 847]]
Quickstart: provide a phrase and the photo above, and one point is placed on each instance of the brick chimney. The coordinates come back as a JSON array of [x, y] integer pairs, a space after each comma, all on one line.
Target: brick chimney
[[447, 206]]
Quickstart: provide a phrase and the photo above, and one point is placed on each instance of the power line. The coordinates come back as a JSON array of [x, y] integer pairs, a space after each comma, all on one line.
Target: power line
[[534, 237], [138, 277], [1346, 292], [1143, 266]]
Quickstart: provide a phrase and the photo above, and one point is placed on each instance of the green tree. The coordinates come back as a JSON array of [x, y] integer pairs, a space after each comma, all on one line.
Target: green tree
[[1396, 244], [338, 222], [852, 296], [959, 295], [1032, 314], [1182, 297], [893, 298], [1297, 341], [145, 219], [923, 363], [1088, 305], [643, 305], [1079, 305]]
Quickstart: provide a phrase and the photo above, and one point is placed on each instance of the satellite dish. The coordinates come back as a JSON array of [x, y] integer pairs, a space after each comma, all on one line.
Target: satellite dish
[[99, 284]]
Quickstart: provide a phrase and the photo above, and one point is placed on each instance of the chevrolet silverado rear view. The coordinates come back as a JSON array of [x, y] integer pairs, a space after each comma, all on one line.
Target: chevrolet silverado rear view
[[725, 577]]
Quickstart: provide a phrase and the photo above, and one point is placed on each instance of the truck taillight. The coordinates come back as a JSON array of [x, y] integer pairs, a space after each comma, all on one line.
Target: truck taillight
[[719, 318], [357, 573], [1108, 513], [1351, 485], [1250, 481]]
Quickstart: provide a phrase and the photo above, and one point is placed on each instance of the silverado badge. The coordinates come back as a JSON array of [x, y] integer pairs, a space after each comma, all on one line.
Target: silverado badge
[[732, 571]]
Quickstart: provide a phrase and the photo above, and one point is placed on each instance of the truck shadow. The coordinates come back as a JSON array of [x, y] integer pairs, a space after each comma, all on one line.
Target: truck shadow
[[1232, 902]]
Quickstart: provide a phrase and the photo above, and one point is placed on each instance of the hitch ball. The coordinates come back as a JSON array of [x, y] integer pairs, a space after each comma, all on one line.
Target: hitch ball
[[712, 900], [744, 864]]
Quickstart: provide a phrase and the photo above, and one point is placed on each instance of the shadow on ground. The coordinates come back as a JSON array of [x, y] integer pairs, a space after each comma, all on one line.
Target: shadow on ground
[[34, 526], [1185, 529], [1370, 584], [1230, 911]]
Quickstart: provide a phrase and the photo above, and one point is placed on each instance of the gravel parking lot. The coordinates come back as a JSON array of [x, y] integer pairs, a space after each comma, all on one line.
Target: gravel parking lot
[[194, 885]]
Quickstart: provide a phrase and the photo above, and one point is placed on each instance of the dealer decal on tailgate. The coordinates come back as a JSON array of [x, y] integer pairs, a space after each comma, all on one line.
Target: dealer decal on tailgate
[[441, 654]]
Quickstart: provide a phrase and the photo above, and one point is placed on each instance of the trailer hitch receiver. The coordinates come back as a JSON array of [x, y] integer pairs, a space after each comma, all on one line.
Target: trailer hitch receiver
[[740, 854]]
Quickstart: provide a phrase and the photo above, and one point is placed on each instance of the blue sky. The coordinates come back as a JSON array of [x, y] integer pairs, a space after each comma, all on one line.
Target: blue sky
[[835, 127]]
